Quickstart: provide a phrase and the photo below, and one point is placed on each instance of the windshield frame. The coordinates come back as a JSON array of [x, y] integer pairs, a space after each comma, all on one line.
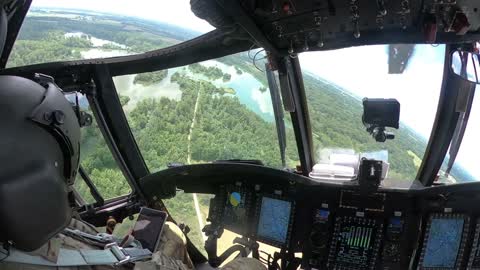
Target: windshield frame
[[291, 81], [445, 123], [293, 93], [356, 88], [202, 48]]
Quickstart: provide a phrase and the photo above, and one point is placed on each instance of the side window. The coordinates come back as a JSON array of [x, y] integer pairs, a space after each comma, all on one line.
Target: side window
[[98, 163]]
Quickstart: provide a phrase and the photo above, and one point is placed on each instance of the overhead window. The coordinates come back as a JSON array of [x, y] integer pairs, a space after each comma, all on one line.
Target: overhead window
[[55, 30]]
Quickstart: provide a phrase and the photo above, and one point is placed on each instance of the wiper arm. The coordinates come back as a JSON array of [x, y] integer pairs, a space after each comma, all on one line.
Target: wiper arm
[[459, 132], [278, 112]]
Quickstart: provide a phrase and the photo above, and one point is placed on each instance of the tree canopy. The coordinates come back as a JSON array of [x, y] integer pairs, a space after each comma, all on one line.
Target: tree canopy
[[149, 78], [212, 73]]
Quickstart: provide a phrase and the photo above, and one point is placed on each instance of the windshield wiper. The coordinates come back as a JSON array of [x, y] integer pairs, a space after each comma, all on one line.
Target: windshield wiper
[[459, 132], [278, 112]]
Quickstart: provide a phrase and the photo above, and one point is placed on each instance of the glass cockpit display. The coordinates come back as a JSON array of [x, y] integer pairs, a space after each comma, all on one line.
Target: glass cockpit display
[[474, 260], [355, 243], [235, 215], [274, 220], [443, 241]]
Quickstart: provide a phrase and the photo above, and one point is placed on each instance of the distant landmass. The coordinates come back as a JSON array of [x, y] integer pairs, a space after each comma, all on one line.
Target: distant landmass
[[170, 30]]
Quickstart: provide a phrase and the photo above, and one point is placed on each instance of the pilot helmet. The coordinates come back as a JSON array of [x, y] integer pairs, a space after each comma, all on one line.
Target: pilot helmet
[[39, 156]]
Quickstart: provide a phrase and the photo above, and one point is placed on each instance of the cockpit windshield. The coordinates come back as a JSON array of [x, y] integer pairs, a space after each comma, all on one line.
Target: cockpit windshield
[[219, 109], [56, 30], [337, 81]]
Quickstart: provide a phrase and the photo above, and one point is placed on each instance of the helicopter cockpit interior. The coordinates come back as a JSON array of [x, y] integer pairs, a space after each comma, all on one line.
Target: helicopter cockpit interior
[[359, 211]]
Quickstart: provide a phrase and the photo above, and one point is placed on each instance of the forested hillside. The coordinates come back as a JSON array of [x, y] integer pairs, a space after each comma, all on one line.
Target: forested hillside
[[206, 122]]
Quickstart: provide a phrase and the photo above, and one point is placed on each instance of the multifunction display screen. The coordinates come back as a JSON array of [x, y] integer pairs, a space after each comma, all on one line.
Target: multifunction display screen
[[355, 243], [235, 215], [443, 243], [274, 220]]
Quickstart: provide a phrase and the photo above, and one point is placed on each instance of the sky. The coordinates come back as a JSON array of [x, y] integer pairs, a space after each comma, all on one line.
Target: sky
[[361, 70]]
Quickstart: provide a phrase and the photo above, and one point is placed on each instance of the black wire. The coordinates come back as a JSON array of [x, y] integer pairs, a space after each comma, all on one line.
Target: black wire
[[255, 55], [6, 247], [249, 50], [263, 260], [259, 69], [269, 257], [255, 58]]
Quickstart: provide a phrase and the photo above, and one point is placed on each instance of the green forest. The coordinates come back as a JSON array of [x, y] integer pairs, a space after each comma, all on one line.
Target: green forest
[[42, 39], [207, 122], [53, 46], [224, 127]]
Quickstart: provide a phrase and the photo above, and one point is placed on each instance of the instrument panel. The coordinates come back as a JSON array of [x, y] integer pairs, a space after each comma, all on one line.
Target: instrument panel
[[268, 217], [340, 228]]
